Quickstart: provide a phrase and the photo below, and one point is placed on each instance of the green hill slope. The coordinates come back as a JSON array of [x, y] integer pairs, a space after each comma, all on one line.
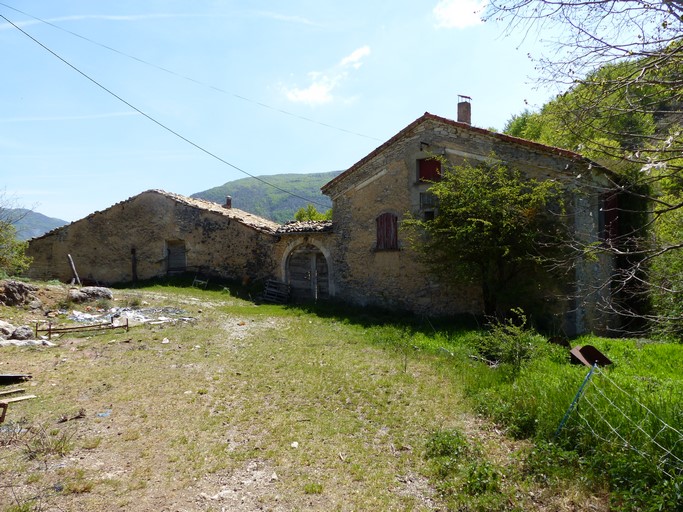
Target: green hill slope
[[254, 196], [30, 224]]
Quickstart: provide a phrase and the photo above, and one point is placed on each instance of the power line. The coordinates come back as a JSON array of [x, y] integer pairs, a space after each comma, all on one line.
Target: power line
[[193, 80], [155, 121]]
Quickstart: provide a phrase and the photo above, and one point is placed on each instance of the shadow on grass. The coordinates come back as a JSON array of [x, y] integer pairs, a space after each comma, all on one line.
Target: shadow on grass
[[365, 316]]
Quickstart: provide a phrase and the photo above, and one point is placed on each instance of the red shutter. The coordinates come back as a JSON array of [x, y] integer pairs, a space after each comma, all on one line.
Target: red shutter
[[429, 169], [387, 231]]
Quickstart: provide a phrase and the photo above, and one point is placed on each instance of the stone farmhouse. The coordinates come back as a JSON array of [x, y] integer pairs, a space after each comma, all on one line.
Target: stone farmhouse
[[361, 257]]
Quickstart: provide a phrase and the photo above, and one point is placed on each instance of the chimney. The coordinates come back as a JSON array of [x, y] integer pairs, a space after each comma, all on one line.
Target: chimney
[[228, 202], [464, 109]]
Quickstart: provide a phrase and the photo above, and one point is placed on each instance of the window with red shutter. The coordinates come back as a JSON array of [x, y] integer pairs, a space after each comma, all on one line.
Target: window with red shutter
[[428, 169], [387, 232]]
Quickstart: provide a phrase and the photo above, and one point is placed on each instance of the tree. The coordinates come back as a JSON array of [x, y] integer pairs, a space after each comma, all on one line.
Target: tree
[[310, 213], [13, 259], [493, 228], [620, 66]]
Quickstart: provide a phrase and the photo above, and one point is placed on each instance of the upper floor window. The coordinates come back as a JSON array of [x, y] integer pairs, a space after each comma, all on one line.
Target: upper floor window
[[608, 217], [428, 169], [387, 232]]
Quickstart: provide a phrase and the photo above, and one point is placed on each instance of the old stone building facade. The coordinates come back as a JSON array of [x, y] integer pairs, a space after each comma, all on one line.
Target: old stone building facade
[[156, 233], [362, 256]]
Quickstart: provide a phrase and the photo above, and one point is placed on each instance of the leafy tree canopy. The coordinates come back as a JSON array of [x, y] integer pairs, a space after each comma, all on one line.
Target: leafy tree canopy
[[311, 213], [493, 225], [620, 64], [13, 259]]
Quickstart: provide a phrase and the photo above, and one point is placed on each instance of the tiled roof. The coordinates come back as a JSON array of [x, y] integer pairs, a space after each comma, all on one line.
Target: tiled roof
[[246, 218], [464, 126], [311, 226]]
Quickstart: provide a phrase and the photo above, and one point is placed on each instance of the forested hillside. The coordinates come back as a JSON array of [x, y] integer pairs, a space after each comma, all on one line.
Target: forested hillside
[[272, 202], [30, 224]]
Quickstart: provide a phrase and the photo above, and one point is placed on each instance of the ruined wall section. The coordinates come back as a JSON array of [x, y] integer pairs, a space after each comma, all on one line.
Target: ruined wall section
[[106, 246]]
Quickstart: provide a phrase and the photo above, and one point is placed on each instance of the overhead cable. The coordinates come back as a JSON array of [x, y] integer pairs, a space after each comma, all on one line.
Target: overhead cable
[[193, 80], [159, 123]]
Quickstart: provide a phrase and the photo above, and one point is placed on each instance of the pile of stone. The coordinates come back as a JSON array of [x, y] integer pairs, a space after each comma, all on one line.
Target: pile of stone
[[19, 336], [16, 293]]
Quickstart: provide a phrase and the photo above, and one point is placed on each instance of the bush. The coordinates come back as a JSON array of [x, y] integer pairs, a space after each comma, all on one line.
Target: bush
[[509, 342]]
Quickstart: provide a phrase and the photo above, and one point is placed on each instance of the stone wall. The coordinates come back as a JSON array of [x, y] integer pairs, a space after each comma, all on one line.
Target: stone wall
[[386, 181], [102, 244], [393, 278]]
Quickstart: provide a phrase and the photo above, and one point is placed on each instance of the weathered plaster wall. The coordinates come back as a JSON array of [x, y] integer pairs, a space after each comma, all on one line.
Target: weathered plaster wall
[[101, 244]]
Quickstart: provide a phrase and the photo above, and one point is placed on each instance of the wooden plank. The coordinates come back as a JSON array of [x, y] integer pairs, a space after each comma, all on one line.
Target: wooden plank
[[11, 391], [16, 399]]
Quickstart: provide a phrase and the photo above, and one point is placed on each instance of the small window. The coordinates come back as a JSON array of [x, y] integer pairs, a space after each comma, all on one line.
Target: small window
[[428, 215], [428, 201], [428, 169], [387, 232]]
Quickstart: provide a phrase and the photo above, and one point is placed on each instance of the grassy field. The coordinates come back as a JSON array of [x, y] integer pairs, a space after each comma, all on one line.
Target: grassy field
[[226, 405]]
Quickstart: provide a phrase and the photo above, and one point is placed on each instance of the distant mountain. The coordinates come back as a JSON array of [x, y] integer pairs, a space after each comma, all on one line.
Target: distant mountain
[[30, 224], [254, 196]]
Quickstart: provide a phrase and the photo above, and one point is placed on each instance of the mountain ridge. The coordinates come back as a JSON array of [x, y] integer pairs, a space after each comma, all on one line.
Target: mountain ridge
[[276, 197]]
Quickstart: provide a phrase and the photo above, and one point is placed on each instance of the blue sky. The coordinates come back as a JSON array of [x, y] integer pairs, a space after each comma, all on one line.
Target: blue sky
[[267, 86]]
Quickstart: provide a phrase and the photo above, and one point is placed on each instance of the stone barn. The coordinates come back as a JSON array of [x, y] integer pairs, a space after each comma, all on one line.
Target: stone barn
[[158, 233]]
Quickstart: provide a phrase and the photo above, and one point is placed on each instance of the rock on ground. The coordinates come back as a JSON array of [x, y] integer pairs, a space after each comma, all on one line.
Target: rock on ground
[[88, 293], [16, 293]]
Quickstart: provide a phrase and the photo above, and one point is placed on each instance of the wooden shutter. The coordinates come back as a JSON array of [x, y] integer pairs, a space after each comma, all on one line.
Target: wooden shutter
[[387, 232], [428, 169]]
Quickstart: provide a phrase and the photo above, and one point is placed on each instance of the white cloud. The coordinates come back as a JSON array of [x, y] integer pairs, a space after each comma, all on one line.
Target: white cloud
[[318, 93], [354, 58], [322, 84], [459, 13]]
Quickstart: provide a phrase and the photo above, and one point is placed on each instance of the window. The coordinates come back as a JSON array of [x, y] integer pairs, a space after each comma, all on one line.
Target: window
[[387, 232], [428, 201], [608, 217], [428, 205], [428, 169]]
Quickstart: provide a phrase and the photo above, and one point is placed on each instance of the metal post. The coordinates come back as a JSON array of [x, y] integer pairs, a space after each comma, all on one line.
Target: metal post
[[577, 397]]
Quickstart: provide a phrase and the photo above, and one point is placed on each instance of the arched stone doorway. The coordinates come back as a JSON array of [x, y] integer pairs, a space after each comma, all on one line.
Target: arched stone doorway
[[308, 273]]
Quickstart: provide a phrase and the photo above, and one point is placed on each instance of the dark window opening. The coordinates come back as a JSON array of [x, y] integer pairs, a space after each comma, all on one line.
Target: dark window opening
[[608, 217], [428, 169], [428, 201], [387, 232], [428, 215]]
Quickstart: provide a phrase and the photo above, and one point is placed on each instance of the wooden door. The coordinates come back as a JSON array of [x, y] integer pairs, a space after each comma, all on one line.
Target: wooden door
[[307, 273], [176, 258]]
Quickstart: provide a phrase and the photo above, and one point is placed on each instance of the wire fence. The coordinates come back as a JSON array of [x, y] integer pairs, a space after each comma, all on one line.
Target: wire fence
[[618, 418]]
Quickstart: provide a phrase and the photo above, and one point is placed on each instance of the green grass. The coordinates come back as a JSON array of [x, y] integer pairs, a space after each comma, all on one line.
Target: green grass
[[387, 413]]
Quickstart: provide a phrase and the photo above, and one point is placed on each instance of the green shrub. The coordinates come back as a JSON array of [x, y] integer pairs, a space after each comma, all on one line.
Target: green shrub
[[509, 342]]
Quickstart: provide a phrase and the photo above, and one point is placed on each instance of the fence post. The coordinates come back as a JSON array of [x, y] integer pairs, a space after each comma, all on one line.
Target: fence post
[[577, 397]]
